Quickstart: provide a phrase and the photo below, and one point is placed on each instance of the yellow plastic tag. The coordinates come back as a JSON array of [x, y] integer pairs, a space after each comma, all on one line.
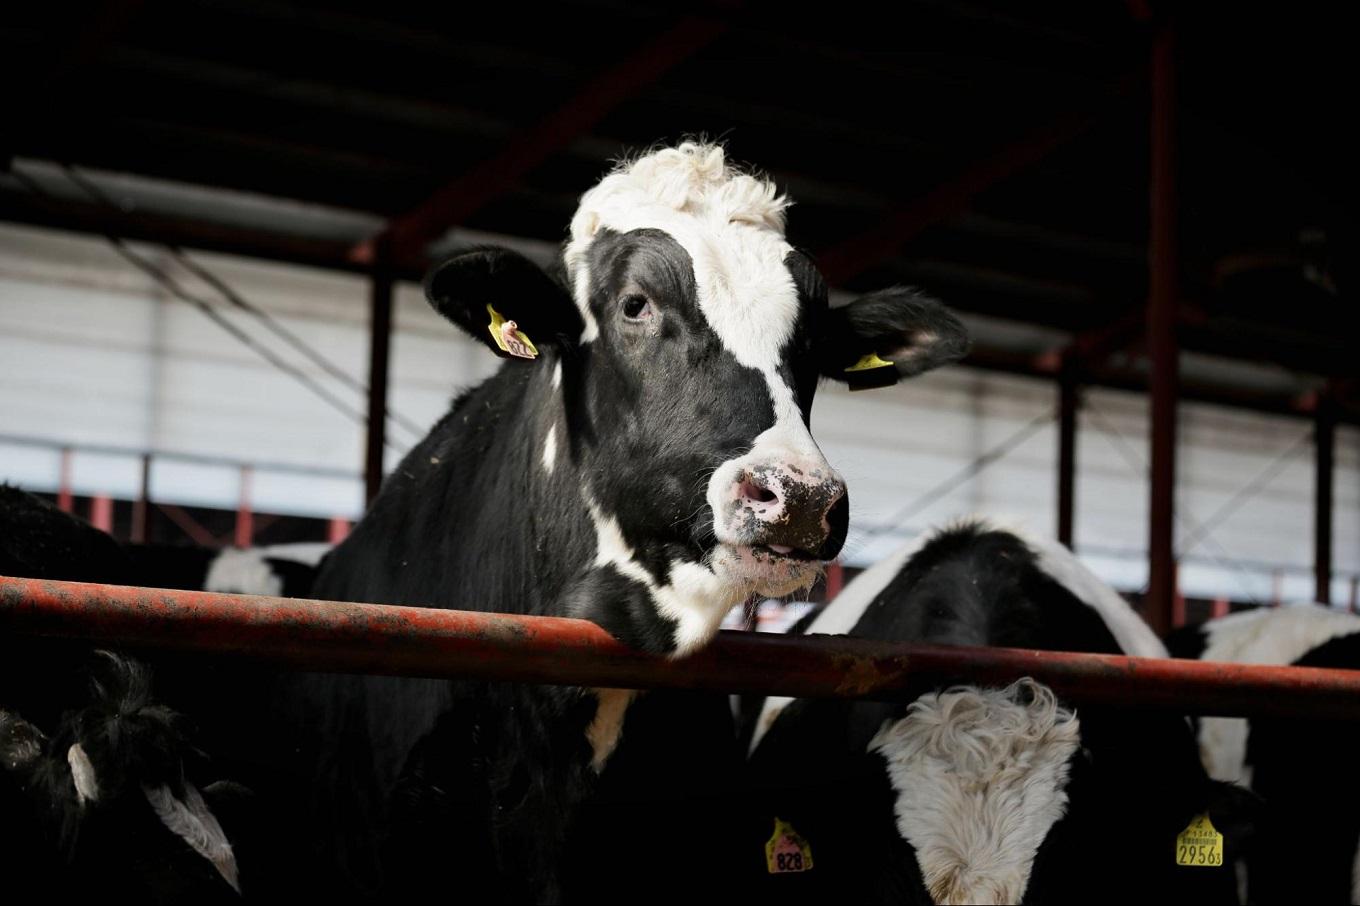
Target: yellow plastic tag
[[509, 337], [786, 851], [869, 361], [1200, 844]]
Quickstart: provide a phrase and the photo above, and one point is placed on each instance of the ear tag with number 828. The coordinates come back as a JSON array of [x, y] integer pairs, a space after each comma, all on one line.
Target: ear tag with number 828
[[1200, 844], [509, 337], [786, 851]]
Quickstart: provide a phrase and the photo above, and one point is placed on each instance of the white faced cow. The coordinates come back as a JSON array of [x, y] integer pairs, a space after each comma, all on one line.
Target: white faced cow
[[642, 460], [973, 794]]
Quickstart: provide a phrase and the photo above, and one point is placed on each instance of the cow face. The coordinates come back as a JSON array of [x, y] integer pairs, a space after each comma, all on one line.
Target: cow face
[[686, 354]]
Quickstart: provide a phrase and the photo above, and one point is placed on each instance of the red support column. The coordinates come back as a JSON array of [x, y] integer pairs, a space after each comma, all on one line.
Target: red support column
[[245, 519], [101, 512], [1162, 344], [141, 506], [379, 349], [1325, 439], [1067, 453], [337, 530], [835, 580], [64, 501], [1178, 616]]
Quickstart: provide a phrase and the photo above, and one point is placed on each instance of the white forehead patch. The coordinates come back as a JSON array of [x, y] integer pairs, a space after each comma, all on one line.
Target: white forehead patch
[[980, 777], [730, 223]]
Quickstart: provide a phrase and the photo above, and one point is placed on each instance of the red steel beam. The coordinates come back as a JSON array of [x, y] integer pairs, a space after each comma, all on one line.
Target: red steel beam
[[1323, 498], [379, 354], [856, 254], [454, 202], [245, 517], [1163, 281], [141, 507], [415, 641], [65, 501], [1068, 402]]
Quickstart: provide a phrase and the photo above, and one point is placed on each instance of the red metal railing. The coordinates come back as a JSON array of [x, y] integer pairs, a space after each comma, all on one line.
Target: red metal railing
[[413, 641]]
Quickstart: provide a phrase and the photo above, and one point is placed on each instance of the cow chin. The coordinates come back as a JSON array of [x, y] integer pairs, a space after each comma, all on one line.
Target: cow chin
[[763, 572]]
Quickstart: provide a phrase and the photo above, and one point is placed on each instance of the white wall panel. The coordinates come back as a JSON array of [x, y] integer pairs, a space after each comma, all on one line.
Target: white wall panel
[[93, 352]]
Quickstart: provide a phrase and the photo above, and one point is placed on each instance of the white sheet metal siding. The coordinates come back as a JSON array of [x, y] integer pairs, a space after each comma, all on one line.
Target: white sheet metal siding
[[93, 352]]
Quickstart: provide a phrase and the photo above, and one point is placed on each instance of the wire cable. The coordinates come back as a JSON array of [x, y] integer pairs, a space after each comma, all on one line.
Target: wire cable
[[236, 299]]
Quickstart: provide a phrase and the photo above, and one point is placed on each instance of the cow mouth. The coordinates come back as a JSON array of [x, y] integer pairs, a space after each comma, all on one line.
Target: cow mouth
[[770, 570], [786, 552]]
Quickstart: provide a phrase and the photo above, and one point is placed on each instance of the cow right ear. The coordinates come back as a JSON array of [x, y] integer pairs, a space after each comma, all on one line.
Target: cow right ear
[[505, 301]]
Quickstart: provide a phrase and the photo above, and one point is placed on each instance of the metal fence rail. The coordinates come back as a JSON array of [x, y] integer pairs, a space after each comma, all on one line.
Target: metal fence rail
[[412, 641]]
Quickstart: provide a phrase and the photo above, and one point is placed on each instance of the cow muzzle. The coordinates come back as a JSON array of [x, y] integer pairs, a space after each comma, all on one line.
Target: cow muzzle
[[781, 507]]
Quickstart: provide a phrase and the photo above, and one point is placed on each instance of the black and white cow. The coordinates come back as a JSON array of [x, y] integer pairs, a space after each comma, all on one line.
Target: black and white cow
[[1308, 843], [972, 794], [647, 468], [277, 570]]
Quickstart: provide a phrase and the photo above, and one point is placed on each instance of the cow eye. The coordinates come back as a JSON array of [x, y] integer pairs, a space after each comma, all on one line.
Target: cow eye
[[637, 307]]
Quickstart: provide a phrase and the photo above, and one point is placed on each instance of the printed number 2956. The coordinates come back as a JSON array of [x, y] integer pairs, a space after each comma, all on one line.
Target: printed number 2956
[[1199, 855]]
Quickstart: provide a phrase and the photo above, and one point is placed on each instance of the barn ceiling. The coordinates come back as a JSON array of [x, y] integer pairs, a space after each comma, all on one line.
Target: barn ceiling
[[993, 153]]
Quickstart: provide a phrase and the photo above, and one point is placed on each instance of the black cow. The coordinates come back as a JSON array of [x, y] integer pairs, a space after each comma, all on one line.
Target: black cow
[[972, 794], [641, 460], [104, 809], [1307, 847], [97, 777]]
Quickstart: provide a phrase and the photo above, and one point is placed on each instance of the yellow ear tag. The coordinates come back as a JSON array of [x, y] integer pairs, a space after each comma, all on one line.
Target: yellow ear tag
[[509, 337], [1200, 844], [786, 851], [868, 362]]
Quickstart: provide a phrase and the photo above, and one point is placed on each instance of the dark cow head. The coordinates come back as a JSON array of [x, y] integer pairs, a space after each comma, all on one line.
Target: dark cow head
[[686, 354]]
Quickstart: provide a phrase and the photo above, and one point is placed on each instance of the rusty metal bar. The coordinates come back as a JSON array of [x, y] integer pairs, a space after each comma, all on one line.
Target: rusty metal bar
[[413, 641], [1162, 342]]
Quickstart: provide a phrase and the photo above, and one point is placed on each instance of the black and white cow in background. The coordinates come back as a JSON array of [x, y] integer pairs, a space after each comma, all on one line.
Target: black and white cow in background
[[100, 795], [277, 570], [650, 468], [972, 794], [1308, 846]]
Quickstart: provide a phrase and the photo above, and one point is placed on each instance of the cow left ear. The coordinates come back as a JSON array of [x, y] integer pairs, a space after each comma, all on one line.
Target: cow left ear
[[505, 301], [889, 334]]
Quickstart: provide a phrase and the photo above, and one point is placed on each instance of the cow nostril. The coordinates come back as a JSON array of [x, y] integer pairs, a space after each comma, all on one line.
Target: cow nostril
[[749, 490]]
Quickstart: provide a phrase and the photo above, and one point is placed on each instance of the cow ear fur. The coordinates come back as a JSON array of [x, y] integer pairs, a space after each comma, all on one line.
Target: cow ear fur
[[481, 289], [889, 334]]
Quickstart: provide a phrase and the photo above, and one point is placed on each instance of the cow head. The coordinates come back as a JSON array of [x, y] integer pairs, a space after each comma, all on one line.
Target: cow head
[[685, 350]]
